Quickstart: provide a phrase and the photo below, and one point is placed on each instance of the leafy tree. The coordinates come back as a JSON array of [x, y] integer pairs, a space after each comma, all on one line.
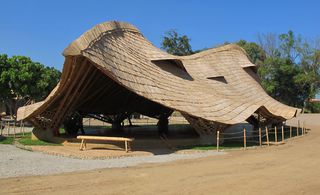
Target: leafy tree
[[290, 72], [254, 51], [176, 44], [21, 78]]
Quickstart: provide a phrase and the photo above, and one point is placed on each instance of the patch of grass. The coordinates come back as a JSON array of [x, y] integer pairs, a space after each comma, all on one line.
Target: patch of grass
[[27, 141], [6, 140], [230, 145]]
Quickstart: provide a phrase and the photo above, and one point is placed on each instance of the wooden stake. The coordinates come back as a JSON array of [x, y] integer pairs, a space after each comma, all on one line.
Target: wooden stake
[[260, 138], [244, 139], [267, 134], [275, 134], [1, 127], [290, 131], [14, 129], [218, 139], [282, 131], [298, 128]]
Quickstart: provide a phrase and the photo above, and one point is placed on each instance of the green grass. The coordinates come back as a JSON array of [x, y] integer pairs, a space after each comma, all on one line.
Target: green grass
[[6, 140], [224, 146], [27, 141]]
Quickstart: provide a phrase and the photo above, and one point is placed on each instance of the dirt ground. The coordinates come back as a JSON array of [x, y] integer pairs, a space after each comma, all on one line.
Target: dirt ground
[[292, 168]]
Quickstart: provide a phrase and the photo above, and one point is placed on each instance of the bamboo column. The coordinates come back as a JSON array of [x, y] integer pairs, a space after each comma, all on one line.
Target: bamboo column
[[275, 134], [267, 134], [282, 131], [290, 131], [14, 129], [260, 139], [218, 139], [244, 139]]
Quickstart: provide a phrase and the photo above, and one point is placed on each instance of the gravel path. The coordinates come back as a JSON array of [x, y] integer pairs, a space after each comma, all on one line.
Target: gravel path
[[15, 162]]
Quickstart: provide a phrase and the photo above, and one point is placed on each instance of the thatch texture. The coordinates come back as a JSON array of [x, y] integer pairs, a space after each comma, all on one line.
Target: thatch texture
[[112, 68]]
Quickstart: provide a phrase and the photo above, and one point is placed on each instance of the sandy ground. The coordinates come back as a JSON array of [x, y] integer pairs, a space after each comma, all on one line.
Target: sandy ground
[[292, 168]]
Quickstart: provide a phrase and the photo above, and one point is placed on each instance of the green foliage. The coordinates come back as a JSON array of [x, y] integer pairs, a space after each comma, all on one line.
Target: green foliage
[[20, 78], [290, 73], [175, 44], [254, 51]]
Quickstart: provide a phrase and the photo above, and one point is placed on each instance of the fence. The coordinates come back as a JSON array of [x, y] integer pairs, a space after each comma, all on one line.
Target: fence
[[262, 136]]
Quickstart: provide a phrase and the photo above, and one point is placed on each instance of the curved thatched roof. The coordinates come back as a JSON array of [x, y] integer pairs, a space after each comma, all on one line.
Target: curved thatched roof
[[112, 68]]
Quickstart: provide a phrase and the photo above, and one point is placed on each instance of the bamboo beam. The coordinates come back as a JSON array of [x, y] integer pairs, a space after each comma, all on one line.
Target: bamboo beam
[[68, 97]]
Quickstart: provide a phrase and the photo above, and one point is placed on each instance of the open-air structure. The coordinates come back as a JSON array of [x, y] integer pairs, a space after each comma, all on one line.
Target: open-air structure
[[113, 71]]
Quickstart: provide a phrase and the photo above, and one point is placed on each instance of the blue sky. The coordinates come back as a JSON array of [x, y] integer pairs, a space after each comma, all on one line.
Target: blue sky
[[42, 29]]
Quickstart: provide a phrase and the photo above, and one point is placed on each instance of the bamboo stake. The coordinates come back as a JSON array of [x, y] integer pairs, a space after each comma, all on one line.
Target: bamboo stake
[[260, 140], [244, 139], [290, 131], [275, 134], [218, 139], [1, 127], [14, 129], [282, 131], [267, 134]]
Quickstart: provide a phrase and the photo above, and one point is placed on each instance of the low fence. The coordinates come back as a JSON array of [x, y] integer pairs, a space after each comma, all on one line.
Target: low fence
[[8, 125], [262, 136]]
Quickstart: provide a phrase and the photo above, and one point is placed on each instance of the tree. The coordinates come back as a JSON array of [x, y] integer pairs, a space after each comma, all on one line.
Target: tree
[[254, 51], [290, 72], [176, 44], [21, 78]]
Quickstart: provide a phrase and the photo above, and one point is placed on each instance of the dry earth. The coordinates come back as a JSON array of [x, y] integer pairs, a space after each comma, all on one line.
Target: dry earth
[[292, 168]]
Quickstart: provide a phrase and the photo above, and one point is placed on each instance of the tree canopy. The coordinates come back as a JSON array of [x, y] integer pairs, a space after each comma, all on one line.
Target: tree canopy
[[21, 78], [176, 44]]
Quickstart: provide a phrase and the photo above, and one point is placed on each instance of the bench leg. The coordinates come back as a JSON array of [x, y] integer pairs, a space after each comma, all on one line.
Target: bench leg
[[126, 145], [81, 145], [85, 144], [129, 146]]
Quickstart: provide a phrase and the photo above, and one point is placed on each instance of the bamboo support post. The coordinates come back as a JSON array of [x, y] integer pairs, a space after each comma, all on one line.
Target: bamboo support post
[[8, 128], [14, 129], [260, 138], [244, 139], [218, 139], [290, 131], [282, 132], [267, 134], [275, 134]]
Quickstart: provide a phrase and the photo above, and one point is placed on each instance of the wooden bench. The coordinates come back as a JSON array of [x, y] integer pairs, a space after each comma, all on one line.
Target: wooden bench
[[84, 139]]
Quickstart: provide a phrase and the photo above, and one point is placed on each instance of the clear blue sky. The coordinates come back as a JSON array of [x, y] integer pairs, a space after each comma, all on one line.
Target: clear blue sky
[[42, 29]]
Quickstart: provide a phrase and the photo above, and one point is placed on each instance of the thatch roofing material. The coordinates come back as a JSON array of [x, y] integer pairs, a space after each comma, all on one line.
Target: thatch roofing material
[[214, 85]]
